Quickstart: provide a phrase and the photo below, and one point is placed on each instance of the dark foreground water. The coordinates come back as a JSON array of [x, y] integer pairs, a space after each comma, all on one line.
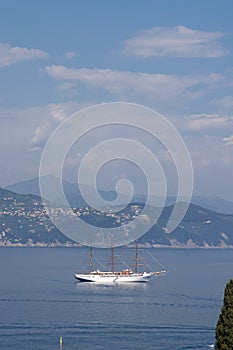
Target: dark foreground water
[[40, 301]]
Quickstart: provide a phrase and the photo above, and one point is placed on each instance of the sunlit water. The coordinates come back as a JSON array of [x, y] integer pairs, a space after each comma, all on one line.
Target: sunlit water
[[40, 301]]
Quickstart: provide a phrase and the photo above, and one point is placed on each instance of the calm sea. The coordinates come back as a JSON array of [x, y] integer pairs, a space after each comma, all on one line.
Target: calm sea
[[40, 301]]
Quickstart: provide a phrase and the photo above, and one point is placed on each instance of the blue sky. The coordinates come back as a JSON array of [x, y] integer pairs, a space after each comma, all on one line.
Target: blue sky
[[174, 56]]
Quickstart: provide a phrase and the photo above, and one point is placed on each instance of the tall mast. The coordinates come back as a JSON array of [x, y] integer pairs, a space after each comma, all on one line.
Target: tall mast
[[113, 262], [136, 258], [91, 260]]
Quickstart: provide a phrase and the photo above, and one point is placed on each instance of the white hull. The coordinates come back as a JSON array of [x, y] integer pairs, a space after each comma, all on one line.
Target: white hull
[[115, 278]]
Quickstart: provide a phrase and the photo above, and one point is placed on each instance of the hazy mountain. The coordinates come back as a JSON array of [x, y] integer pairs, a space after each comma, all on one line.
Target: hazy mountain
[[23, 221], [71, 190], [75, 198], [214, 203]]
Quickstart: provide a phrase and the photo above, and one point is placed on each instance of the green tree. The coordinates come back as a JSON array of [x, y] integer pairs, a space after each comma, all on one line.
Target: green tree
[[224, 327]]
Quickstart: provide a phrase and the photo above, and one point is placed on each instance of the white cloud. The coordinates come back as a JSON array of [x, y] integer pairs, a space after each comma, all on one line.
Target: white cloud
[[68, 88], [40, 135], [54, 114], [213, 165], [209, 121], [71, 54], [26, 130], [10, 55], [228, 140], [124, 84], [177, 41], [57, 113], [47, 118]]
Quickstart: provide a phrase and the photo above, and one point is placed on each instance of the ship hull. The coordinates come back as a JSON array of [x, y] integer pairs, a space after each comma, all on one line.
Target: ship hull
[[144, 277]]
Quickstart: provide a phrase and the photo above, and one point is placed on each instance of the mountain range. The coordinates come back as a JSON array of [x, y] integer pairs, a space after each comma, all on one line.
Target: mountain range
[[75, 198], [24, 221]]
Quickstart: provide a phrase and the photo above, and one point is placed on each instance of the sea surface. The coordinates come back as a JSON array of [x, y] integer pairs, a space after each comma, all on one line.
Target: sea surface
[[41, 301]]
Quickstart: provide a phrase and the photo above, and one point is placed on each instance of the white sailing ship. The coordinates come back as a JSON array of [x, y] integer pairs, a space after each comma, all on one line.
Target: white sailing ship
[[123, 276]]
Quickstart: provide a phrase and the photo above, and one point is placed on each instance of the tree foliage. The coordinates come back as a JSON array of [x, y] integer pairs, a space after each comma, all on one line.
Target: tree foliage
[[224, 327]]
